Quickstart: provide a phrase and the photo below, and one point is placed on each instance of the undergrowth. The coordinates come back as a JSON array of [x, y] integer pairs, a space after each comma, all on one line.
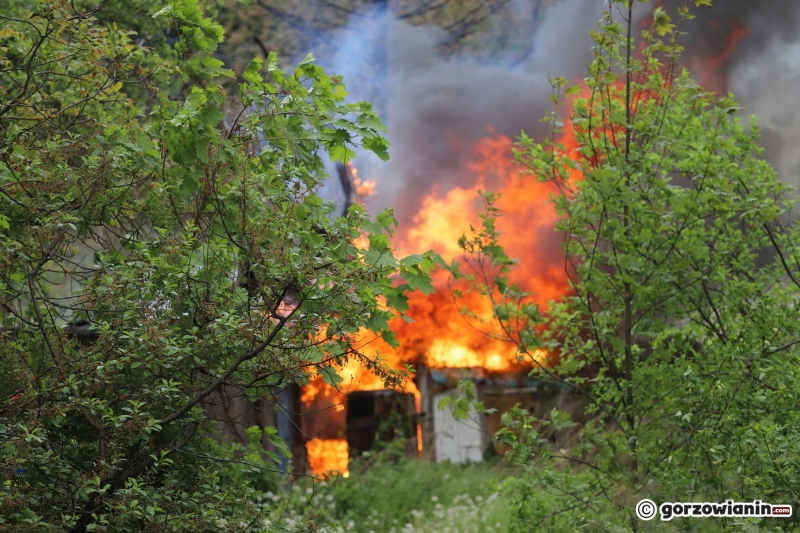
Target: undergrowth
[[407, 496]]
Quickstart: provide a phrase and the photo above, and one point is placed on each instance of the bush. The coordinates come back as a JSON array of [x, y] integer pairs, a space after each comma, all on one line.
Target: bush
[[681, 334], [183, 223]]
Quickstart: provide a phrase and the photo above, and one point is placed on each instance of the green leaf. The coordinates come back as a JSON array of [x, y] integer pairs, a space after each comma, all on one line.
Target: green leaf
[[379, 146], [272, 434], [189, 185], [210, 115], [329, 376], [662, 21], [201, 148], [253, 71], [418, 280]]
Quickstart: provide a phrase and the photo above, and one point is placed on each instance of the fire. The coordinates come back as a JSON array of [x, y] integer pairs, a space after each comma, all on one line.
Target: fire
[[441, 336], [710, 69], [440, 222], [444, 353], [325, 409], [459, 332], [447, 353], [326, 456]]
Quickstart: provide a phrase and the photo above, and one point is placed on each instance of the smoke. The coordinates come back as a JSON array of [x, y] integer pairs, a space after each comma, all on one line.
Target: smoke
[[436, 107], [767, 23], [765, 86], [752, 49]]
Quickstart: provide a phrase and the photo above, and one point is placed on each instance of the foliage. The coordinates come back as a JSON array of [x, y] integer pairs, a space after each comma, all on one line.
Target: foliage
[[681, 331], [185, 226], [407, 496]]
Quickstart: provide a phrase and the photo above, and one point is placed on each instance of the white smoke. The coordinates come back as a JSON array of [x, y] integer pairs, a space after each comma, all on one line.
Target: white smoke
[[766, 86], [435, 107]]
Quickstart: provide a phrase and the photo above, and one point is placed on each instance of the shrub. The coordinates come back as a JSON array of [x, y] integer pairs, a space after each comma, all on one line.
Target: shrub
[[183, 223], [681, 331]]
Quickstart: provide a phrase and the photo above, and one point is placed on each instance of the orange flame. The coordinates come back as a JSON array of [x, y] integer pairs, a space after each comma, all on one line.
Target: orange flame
[[440, 337], [327, 456], [363, 188], [324, 405]]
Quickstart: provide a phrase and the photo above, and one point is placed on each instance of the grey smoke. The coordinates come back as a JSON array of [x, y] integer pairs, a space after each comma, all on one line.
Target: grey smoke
[[767, 87], [436, 107], [763, 72]]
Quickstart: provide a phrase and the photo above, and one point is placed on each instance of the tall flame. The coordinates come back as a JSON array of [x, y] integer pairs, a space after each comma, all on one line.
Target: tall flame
[[443, 335], [440, 336]]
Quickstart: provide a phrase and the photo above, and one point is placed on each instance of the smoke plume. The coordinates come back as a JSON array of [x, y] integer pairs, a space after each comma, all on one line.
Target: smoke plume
[[761, 50], [436, 107]]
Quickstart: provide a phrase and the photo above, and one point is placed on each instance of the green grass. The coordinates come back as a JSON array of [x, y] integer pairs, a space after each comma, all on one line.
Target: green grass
[[408, 496]]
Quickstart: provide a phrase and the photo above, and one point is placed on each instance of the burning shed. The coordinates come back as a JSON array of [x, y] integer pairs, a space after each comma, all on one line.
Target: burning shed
[[441, 338]]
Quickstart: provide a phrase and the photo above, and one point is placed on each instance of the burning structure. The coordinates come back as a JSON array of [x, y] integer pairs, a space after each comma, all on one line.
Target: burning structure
[[441, 342], [451, 122]]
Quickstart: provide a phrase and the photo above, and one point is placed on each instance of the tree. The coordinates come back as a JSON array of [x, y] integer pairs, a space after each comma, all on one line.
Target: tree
[[191, 238], [681, 331]]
